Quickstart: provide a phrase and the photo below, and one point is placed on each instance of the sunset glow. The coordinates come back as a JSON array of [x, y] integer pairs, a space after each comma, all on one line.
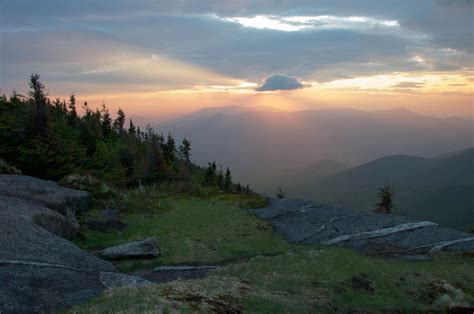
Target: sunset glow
[[160, 65]]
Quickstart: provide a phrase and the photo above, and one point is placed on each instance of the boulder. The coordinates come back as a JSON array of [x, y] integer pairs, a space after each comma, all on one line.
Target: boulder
[[44, 202], [40, 270], [146, 248]]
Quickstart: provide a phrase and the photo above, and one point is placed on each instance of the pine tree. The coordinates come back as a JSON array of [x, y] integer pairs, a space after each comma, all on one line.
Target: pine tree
[[185, 150], [59, 109], [156, 168], [139, 133], [131, 129], [227, 180], [210, 174], [106, 122], [72, 117], [87, 110], [52, 138], [38, 96], [170, 150], [385, 195], [119, 122], [220, 178]]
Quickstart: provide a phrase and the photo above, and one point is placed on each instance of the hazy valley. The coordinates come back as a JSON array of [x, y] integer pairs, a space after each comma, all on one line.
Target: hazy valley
[[349, 154]]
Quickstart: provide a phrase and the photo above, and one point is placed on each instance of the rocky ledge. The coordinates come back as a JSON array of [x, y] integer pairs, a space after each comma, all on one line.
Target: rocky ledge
[[301, 221], [40, 270]]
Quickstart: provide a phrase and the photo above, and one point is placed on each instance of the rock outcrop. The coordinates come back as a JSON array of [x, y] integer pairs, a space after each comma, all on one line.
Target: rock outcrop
[[302, 221], [40, 270], [146, 248]]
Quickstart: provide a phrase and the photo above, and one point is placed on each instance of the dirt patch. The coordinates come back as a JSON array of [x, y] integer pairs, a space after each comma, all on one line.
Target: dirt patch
[[467, 254], [198, 302], [442, 294], [263, 226], [357, 283]]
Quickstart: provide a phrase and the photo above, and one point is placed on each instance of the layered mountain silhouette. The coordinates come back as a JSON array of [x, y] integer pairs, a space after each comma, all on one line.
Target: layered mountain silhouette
[[257, 142], [437, 189], [314, 154]]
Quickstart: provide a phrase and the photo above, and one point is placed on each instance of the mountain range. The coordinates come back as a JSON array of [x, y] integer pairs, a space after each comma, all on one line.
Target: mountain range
[[435, 189], [343, 156], [258, 142]]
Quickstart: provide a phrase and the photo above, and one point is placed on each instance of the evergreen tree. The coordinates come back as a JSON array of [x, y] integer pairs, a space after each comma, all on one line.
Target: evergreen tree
[[210, 174], [157, 169], [106, 122], [385, 195], [72, 109], [50, 139], [119, 122], [131, 129], [170, 150], [139, 133], [87, 111], [59, 109], [39, 99], [227, 180], [247, 189], [185, 150], [220, 178]]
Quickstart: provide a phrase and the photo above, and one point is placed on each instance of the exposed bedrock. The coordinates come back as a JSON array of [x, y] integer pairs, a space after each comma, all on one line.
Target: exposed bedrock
[[40, 270], [301, 221]]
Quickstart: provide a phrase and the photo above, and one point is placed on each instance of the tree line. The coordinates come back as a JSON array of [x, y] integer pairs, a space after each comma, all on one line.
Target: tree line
[[49, 139]]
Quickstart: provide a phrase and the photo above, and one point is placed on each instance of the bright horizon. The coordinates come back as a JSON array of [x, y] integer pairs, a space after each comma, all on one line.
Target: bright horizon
[[159, 60]]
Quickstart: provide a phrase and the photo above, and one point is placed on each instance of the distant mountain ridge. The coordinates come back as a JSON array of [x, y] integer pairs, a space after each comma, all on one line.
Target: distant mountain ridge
[[314, 154], [258, 142], [441, 190]]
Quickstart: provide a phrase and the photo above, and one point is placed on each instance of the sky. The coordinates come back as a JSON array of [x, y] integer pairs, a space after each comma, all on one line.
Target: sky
[[159, 59]]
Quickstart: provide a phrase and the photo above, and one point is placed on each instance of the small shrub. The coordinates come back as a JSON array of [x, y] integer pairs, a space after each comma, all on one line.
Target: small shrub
[[88, 183], [280, 193], [7, 169]]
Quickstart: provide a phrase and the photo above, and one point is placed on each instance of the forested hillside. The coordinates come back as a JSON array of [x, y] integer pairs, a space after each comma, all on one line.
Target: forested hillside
[[52, 138]]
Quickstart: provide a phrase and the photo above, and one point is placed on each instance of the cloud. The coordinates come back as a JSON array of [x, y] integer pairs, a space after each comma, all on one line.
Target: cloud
[[409, 85], [279, 82], [318, 22], [244, 40]]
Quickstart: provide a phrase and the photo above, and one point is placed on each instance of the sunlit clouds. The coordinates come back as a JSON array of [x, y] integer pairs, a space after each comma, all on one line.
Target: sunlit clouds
[[320, 22], [427, 83], [161, 58]]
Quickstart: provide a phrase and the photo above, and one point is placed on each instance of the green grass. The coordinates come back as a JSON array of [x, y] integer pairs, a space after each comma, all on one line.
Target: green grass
[[305, 279], [189, 230], [267, 274]]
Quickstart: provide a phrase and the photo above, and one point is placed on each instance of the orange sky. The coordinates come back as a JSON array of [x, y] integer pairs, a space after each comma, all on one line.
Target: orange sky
[[434, 94]]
